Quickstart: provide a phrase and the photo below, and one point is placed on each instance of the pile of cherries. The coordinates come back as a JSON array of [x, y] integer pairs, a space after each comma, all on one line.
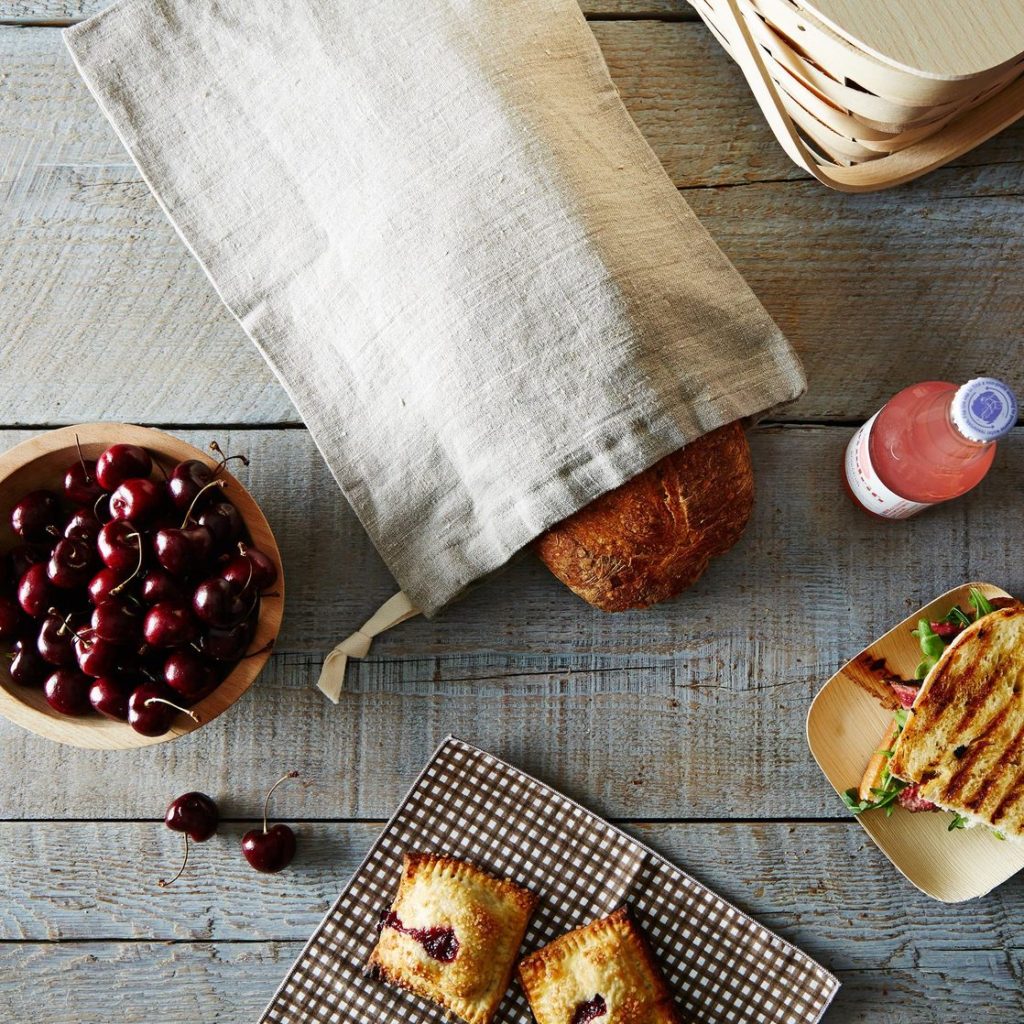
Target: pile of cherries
[[130, 595]]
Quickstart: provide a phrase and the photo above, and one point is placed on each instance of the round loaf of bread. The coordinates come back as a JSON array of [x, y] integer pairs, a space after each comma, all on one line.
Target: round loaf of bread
[[652, 537]]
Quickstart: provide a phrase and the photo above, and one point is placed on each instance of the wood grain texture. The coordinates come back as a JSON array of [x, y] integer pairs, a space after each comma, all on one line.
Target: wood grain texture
[[873, 290], [222, 982], [784, 875], [643, 714]]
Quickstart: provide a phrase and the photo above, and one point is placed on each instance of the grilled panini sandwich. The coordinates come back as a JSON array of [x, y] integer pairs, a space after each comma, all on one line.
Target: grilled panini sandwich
[[963, 743]]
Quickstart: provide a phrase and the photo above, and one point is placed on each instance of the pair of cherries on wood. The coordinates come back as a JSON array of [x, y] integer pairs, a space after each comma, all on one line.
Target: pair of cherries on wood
[[155, 639], [196, 815]]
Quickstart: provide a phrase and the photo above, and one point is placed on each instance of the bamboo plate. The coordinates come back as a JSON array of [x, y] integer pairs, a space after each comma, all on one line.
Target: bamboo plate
[[844, 726], [40, 462]]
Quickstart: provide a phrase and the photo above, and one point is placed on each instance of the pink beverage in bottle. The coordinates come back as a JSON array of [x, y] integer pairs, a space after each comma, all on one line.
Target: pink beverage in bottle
[[931, 442]]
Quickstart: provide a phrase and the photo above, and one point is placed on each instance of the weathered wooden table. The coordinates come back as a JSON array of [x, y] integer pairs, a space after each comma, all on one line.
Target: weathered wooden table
[[685, 722]]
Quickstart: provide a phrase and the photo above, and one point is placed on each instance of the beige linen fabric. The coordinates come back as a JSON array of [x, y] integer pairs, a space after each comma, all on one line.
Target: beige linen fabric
[[444, 232]]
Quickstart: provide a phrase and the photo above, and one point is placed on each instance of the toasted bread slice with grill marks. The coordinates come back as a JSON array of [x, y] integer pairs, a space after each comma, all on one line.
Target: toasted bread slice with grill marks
[[964, 738]]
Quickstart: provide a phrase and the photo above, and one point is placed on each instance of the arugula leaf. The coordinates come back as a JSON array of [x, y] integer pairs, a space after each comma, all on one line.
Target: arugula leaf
[[981, 604], [889, 787], [959, 821], [956, 616], [932, 646]]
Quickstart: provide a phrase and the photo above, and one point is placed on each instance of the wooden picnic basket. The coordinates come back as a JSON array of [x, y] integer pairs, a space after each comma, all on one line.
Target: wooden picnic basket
[[868, 95]]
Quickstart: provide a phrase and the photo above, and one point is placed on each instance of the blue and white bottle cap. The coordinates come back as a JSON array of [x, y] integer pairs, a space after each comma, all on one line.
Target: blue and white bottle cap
[[984, 409]]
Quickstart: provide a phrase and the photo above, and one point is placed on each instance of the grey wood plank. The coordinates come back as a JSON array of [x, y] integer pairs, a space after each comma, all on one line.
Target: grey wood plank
[[181, 984], [30, 11], [694, 708], [824, 887], [873, 290]]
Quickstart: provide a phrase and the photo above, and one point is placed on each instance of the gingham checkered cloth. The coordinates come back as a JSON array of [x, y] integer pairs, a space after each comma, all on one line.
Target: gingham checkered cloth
[[467, 803]]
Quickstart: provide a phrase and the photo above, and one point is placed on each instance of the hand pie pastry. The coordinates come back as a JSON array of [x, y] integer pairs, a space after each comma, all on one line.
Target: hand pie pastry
[[603, 973], [452, 935]]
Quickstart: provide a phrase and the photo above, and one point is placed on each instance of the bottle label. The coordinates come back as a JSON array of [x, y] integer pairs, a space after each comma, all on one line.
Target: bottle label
[[865, 484]]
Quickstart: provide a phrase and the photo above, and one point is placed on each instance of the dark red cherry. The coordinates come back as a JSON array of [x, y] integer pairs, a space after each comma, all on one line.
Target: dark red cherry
[[80, 484], [11, 620], [169, 624], [97, 657], [224, 522], [37, 516], [228, 644], [270, 850], [28, 667], [184, 552], [36, 593], [139, 499], [187, 479], [219, 603], [56, 642], [117, 620], [119, 545], [24, 556], [103, 583], [195, 814], [84, 526], [189, 675], [160, 585], [122, 462], [110, 698], [151, 709], [250, 568], [70, 564], [67, 691]]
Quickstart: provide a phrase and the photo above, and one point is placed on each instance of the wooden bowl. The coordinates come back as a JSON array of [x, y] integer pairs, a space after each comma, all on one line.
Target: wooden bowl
[[40, 463]]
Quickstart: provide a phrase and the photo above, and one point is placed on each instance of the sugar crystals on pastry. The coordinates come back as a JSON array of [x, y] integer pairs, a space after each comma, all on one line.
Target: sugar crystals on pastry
[[452, 935], [602, 973]]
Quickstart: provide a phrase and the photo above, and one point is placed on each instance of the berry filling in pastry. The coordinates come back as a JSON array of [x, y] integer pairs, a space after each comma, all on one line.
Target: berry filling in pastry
[[590, 1010], [439, 943]]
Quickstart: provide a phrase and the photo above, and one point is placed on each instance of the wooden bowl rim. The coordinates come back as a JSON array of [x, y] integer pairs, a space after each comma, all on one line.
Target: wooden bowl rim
[[95, 732]]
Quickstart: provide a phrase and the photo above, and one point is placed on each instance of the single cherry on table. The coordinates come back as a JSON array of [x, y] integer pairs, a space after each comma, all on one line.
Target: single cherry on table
[[270, 850], [196, 816]]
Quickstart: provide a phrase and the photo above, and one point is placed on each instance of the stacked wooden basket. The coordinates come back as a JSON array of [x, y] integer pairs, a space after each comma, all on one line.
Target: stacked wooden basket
[[868, 95]]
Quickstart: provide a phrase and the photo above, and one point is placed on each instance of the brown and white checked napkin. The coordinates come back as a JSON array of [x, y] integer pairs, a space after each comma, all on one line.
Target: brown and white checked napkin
[[442, 229], [724, 967]]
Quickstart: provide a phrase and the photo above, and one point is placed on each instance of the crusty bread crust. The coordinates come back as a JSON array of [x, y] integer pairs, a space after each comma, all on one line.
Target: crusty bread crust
[[652, 537], [964, 738]]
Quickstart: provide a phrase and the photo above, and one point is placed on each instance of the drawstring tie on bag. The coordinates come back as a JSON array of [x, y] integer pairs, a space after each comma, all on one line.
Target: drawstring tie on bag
[[332, 675]]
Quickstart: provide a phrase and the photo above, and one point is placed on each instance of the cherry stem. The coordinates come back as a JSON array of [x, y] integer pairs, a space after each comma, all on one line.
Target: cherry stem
[[96, 507], [162, 883], [287, 775], [138, 567], [81, 459], [65, 626], [225, 459], [199, 494], [184, 711]]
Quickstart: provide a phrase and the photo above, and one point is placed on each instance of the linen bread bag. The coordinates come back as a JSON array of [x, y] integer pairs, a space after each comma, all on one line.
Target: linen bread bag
[[466, 266]]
